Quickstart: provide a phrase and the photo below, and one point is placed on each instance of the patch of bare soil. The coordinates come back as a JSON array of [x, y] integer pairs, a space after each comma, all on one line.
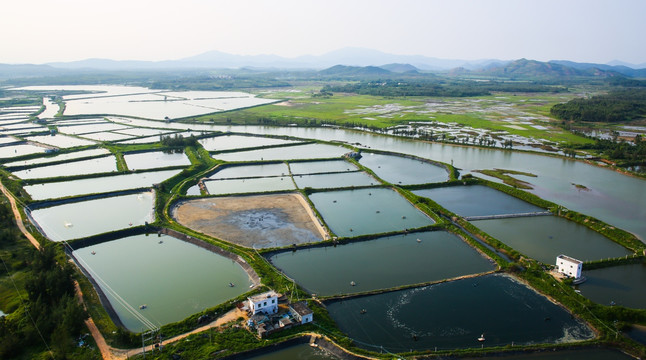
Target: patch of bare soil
[[261, 221]]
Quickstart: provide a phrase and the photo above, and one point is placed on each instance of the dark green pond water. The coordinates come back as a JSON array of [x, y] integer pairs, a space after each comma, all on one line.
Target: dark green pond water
[[477, 200], [382, 263], [454, 315], [296, 352], [623, 285], [545, 237], [367, 211]]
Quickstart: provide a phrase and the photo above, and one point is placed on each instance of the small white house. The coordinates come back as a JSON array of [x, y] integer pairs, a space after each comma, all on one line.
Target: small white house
[[266, 303], [301, 312], [569, 266]]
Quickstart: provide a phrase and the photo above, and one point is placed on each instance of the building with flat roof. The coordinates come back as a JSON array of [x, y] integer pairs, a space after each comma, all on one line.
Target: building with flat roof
[[301, 312], [569, 266], [266, 303]]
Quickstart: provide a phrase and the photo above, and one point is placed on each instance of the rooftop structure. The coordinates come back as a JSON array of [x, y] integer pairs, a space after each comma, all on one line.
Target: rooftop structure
[[569, 266], [301, 312], [266, 303]]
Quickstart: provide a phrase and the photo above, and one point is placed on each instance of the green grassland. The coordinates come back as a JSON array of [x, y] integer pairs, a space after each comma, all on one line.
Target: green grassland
[[484, 112]]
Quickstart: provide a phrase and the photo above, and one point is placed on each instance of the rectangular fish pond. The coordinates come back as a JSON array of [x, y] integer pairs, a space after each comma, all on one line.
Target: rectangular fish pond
[[231, 142], [60, 157], [240, 186], [381, 263], [477, 200], [545, 237], [155, 159], [82, 167], [351, 213], [336, 180], [319, 167], [296, 352], [403, 170], [98, 185], [307, 151], [619, 285], [243, 171], [454, 315], [81, 219], [133, 273]]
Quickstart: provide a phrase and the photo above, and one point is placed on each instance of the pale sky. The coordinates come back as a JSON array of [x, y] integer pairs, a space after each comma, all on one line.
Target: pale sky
[[40, 31]]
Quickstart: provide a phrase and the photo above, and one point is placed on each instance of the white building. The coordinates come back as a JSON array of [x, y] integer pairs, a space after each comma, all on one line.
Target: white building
[[301, 312], [569, 266], [266, 303]]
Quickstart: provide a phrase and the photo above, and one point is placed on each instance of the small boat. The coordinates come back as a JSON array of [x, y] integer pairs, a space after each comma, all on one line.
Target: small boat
[[130, 224], [352, 283], [403, 217], [419, 240], [363, 311], [161, 242], [93, 253], [68, 224], [481, 338], [143, 306], [231, 284]]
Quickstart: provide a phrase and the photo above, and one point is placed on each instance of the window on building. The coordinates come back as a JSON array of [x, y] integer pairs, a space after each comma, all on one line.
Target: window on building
[[273, 301]]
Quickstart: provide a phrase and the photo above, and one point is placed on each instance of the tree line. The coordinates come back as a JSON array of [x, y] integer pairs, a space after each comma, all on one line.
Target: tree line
[[616, 106]]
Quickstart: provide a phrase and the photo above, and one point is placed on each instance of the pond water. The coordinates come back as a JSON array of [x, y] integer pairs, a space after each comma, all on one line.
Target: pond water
[[51, 109], [20, 150], [106, 136], [59, 157], [230, 142], [5, 140], [346, 179], [155, 159], [401, 170], [622, 285], [143, 132], [545, 237], [98, 185], [193, 191], [330, 270], [477, 200], [455, 314], [351, 213], [232, 186], [61, 141], [85, 218], [637, 333], [323, 166], [296, 352], [77, 129], [143, 277], [308, 151], [583, 354], [82, 167], [241, 171]]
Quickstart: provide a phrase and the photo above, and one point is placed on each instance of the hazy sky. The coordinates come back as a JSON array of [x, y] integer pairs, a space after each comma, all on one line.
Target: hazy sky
[[39, 31]]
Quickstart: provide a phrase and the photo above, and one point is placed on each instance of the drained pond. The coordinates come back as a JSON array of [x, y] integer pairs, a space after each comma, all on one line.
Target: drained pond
[[382, 263], [144, 285], [454, 315]]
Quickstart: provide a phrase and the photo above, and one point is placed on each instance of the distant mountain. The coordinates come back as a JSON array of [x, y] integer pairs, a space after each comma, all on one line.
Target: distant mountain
[[622, 69], [400, 68], [354, 71], [623, 63], [532, 69], [25, 70]]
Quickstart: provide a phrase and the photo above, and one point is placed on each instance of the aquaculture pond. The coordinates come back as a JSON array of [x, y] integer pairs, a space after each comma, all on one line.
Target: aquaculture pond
[[155, 159], [583, 354], [61, 141], [91, 217], [338, 180], [230, 142], [296, 352], [477, 200], [81, 167], [403, 170], [98, 185], [106, 136], [233, 186], [60, 157], [307, 151], [81, 128], [244, 171], [20, 150], [620, 285], [322, 166], [454, 315], [545, 237], [382, 263], [351, 213], [143, 278]]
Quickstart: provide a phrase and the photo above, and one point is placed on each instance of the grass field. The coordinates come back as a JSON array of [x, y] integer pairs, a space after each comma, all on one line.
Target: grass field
[[524, 115]]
